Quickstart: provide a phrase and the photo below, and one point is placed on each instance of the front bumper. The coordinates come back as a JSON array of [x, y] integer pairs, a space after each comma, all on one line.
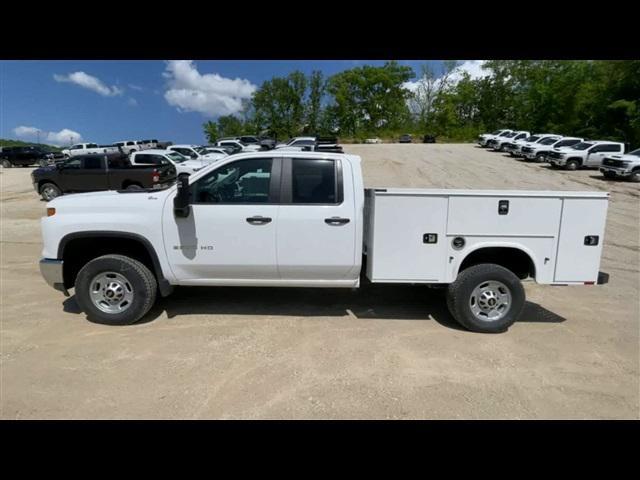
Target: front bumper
[[51, 270], [618, 171], [558, 162]]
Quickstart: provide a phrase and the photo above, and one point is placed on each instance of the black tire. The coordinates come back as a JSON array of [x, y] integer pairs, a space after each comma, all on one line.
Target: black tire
[[540, 158], [609, 175], [133, 186], [635, 176], [572, 165], [49, 191], [142, 281], [459, 295], [6, 164]]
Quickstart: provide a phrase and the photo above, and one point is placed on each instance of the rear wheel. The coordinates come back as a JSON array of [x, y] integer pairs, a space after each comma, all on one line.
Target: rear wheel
[[134, 186], [115, 290], [572, 165], [6, 164], [486, 298], [49, 191]]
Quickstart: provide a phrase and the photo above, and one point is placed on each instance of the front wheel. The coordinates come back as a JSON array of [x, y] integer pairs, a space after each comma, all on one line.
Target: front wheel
[[540, 158], [635, 176], [6, 164], [609, 175], [572, 165], [133, 186], [115, 290], [49, 191], [486, 298]]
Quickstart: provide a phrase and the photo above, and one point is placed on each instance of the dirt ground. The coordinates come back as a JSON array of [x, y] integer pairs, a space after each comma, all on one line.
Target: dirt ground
[[381, 352]]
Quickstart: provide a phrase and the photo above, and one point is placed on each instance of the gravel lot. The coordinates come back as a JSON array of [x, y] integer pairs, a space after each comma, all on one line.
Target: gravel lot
[[381, 352]]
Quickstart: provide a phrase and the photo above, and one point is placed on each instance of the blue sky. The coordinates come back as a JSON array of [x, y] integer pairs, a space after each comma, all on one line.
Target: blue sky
[[107, 101]]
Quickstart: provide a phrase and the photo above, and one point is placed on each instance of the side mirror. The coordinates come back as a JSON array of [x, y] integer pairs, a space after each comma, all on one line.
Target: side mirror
[[181, 200]]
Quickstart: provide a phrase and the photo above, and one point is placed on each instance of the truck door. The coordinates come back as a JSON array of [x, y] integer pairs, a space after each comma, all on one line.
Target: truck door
[[230, 233], [597, 154], [86, 175], [316, 237]]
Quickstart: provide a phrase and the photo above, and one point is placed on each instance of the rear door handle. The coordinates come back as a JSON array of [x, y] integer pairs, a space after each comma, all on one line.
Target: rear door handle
[[336, 221], [258, 220]]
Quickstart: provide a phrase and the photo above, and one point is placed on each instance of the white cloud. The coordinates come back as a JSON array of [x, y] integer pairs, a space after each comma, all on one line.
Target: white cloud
[[63, 137], [132, 102], [133, 86], [210, 94], [472, 67], [89, 82]]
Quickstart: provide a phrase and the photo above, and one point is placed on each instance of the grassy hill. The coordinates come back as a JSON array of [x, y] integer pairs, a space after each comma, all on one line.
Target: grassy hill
[[18, 143]]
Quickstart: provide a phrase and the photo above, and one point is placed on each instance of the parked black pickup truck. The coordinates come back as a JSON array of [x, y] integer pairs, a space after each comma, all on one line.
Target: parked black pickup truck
[[89, 173], [24, 156]]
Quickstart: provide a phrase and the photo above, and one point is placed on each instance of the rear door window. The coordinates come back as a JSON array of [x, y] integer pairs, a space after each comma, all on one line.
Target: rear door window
[[314, 181]]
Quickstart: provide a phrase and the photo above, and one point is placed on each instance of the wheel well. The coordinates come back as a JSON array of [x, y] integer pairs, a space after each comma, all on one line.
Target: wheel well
[[42, 182], [577, 159], [513, 259], [77, 252], [128, 183]]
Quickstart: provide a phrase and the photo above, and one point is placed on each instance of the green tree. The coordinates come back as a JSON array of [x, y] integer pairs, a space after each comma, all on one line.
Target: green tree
[[314, 103], [211, 131], [230, 125]]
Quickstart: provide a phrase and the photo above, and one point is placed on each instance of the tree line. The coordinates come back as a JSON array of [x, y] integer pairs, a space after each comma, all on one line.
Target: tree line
[[592, 99]]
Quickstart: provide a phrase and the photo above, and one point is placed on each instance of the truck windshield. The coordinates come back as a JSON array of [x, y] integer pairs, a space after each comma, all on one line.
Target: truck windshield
[[635, 152], [548, 141], [582, 146], [532, 138], [176, 157], [496, 132]]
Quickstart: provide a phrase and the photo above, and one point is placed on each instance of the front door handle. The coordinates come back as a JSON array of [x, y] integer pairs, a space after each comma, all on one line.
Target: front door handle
[[336, 221], [258, 220]]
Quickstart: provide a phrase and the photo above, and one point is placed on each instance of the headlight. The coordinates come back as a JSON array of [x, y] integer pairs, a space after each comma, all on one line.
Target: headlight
[[625, 163]]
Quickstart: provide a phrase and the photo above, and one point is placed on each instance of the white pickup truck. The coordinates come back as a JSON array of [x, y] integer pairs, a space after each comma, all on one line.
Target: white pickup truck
[[484, 138], [158, 157], [584, 154], [304, 219], [622, 166], [538, 150], [88, 148]]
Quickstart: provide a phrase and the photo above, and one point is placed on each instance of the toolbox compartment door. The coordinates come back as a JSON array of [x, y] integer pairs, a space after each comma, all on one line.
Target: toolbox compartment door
[[578, 259], [407, 241]]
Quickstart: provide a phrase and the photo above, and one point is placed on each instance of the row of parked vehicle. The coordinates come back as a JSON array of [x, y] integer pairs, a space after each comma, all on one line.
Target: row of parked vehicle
[[149, 168], [569, 153]]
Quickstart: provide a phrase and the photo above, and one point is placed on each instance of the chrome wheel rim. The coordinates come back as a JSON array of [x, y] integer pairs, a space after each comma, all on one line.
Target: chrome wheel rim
[[111, 292], [49, 193], [490, 301]]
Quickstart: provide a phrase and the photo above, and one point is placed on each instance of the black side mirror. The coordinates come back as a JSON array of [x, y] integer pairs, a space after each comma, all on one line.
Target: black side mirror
[[181, 200]]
